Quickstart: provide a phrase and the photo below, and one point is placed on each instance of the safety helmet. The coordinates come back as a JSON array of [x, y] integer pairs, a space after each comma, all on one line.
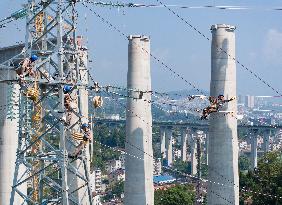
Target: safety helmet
[[67, 89], [84, 125], [33, 58]]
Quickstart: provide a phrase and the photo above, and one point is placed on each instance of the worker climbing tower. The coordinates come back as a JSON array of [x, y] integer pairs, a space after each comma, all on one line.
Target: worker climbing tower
[[51, 76], [223, 142]]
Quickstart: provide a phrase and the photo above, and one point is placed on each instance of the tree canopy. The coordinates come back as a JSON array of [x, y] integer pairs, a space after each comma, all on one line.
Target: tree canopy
[[264, 183], [244, 163], [177, 195]]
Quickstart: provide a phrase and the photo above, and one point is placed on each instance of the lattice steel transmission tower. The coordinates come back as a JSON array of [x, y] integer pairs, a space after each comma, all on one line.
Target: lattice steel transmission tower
[[51, 131]]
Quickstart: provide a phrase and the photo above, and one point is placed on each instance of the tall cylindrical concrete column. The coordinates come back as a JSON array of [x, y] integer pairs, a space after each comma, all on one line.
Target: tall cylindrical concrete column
[[254, 150], [184, 136], [138, 187], [194, 155], [162, 133], [223, 142], [83, 98], [266, 139], [9, 130], [79, 103], [207, 148], [168, 141]]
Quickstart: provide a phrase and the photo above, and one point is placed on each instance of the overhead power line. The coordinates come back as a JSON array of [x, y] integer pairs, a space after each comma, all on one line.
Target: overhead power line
[[110, 25], [164, 65], [192, 27], [156, 92], [181, 6], [207, 38]]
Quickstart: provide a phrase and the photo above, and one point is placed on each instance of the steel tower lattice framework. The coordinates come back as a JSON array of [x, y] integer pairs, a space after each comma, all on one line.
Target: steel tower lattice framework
[[44, 146]]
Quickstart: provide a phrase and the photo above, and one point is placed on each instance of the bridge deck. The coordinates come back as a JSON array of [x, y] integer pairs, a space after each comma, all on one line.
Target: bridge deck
[[186, 124]]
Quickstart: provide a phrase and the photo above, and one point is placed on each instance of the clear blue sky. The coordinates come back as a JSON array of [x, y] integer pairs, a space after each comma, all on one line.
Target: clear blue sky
[[258, 41]]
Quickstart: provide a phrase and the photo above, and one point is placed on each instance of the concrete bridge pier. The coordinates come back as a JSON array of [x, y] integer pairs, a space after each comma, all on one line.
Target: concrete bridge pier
[[138, 186], [223, 140], [194, 154], [163, 145], [206, 135], [9, 133], [254, 150], [169, 154], [266, 140], [184, 136]]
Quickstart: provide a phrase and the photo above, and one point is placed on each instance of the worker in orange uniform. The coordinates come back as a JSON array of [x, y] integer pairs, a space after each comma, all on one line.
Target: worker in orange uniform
[[210, 109], [221, 100], [26, 67], [87, 137], [67, 98], [215, 104]]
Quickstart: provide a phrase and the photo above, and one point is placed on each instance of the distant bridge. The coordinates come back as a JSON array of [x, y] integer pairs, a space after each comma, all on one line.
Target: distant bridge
[[200, 126]]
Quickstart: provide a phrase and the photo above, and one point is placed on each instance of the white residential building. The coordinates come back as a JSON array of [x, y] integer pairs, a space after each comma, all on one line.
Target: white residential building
[[113, 165], [96, 185], [177, 154], [157, 166], [96, 181], [116, 176], [97, 200], [243, 145], [122, 160], [250, 101]]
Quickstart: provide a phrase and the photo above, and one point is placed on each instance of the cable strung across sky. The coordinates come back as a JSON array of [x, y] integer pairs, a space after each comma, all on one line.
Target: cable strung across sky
[[21, 13], [201, 34], [233, 57], [142, 5], [131, 93], [164, 65]]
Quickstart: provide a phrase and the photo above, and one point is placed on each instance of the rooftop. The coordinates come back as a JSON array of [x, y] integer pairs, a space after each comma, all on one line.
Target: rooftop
[[163, 179]]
